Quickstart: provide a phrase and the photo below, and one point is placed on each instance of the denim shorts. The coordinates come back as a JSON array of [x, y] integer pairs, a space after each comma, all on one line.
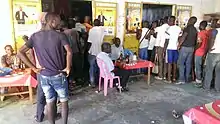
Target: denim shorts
[[53, 86]]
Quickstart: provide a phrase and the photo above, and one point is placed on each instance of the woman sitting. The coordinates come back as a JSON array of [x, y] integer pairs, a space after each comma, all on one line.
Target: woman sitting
[[10, 59]]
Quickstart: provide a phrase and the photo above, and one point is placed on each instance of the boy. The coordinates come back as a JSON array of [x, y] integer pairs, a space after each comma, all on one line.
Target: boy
[[201, 50], [173, 34]]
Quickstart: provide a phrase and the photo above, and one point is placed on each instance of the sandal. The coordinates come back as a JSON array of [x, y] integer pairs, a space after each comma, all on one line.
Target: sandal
[[175, 114]]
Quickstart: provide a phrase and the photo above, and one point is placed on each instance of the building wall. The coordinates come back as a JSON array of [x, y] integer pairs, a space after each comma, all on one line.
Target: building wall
[[199, 7], [6, 26], [217, 5]]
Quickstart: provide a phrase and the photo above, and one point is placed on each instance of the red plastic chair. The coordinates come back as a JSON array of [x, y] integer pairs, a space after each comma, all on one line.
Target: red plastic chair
[[107, 76]]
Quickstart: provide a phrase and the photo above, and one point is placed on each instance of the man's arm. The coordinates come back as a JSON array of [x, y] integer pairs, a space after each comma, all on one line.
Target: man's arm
[[22, 55], [3, 61], [25, 14], [182, 39], [16, 15], [211, 41], [68, 56]]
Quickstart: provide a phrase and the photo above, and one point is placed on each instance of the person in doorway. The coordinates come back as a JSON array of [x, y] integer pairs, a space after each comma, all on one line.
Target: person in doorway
[[124, 74], [172, 52], [200, 52], [186, 48], [87, 23], [95, 39], [79, 25], [213, 59], [53, 69], [102, 19], [20, 16], [160, 41], [116, 49]]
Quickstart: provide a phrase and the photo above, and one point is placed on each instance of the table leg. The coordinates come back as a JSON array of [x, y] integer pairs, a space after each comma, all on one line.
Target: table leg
[[30, 89], [148, 75]]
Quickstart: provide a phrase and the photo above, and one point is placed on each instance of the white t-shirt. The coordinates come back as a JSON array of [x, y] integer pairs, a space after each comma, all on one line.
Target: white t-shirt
[[145, 42], [174, 33], [161, 35], [96, 36], [108, 62], [216, 46], [116, 52], [152, 40]]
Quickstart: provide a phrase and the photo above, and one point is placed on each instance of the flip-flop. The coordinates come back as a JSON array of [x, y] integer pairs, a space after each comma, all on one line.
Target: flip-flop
[[175, 114]]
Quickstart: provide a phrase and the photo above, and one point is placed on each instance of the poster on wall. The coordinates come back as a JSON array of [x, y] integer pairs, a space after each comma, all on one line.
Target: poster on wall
[[106, 14], [25, 19], [133, 17], [183, 13]]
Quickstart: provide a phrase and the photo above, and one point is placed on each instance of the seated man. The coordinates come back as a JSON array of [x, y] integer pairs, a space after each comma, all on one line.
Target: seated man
[[104, 56], [117, 49]]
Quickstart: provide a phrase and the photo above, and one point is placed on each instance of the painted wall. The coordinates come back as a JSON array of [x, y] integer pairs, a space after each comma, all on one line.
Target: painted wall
[[6, 26], [217, 5]]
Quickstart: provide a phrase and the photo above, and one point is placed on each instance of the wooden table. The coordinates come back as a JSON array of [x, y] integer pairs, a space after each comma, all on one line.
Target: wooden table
[[24, 78], [137, 65]]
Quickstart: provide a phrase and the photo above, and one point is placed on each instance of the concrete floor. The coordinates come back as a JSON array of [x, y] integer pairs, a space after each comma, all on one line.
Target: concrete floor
[[141, 105]]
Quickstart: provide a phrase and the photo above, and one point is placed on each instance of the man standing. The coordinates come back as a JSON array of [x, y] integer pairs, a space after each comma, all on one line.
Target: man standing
[[172, 53], [96, 36], [49, 46], [102, 19], [20, 16], [144, 41], [200, 51], [213, 59], [160, 41], [186, 46]]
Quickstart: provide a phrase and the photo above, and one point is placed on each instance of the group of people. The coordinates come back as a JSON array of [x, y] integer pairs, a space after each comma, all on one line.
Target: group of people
[[58, 49], [191, 53]]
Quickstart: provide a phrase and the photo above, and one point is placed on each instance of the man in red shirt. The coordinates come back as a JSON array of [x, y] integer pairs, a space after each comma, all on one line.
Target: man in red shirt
[[201, 50]]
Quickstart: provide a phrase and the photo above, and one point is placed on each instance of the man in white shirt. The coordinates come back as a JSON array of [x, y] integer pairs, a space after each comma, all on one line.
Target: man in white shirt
[[151, 48], [117, 49], [96, 36], [104, 56], [144, 41], [171, 44], [213, 60], [160, 41]]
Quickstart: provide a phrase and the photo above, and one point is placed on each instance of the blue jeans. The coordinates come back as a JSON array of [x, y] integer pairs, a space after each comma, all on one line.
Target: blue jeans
[[53, 86], [185, 63], [93, 69], [198, 67], [143, 53], [212, 63]]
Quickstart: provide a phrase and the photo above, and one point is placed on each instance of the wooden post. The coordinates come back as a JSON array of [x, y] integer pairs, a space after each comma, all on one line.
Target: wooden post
[[30, 89], [148, 75]]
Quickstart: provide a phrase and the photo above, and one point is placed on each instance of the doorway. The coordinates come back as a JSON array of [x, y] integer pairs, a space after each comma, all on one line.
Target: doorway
[[81, 9], [153, 12]]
